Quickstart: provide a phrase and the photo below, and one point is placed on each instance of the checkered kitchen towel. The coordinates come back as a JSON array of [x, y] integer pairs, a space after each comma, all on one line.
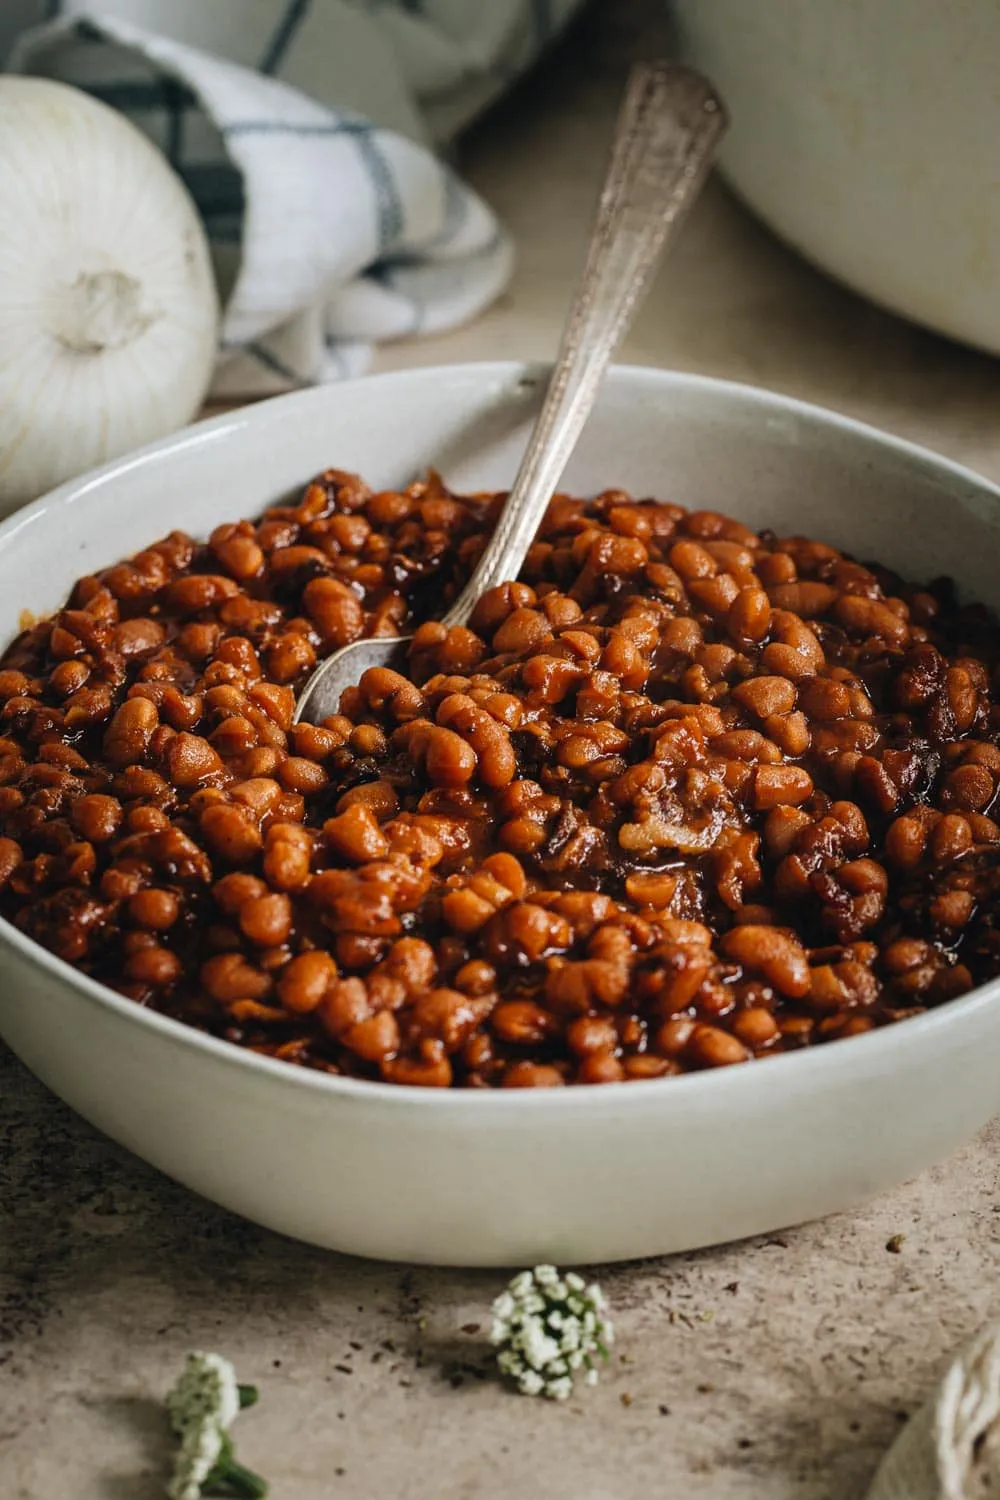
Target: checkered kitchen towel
[[303, 129]]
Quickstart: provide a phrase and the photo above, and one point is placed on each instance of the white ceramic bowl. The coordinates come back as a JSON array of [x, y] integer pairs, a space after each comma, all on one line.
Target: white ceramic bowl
[[502, 1178], [866, 134]]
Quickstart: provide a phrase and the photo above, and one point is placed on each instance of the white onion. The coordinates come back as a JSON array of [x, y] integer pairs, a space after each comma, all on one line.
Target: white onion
[[108, 308]]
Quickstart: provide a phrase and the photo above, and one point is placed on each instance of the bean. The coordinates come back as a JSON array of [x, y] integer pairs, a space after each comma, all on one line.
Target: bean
[[860, 876], [291, 656], [230, 833], [600, 1067], [155, 966], [305, 980], [495, 759], [134, 637], [392, 694], [825, 698], [154, 909], [529, 1075], [591, 1034], [968, 788], [13, 684], [230, 977], [767, 951], [783, 785], [796, 653], [418, 1072], [355, 834], [130, 731], [334, 609], [190, 760], [950, 838], [711, 1047], [272, 701], [299, 774], [790, 732], [200, 591], [805, 597], [521, 630], [749, 616], [871, 617], [674, 1035], [521, 1022], [240, 556], [764, 696], [450, 761], [692, 561], [375, 1039], [266, 920], [648, 1065], [97, 817], [287, 857], [755, 1027], [718, 596], [11, 856], [875, 786], [952, 908], [905, 841]]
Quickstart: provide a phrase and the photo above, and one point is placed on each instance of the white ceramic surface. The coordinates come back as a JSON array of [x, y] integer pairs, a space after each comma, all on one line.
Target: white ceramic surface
[[511, 1178], [866, 133]]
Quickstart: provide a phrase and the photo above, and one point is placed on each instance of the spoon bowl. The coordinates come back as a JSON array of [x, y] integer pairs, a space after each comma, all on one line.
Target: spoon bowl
[[321, 695]]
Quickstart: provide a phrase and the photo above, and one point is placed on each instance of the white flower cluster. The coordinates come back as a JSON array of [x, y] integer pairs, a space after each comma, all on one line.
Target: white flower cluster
[[547, 1327], [206, 1391], [202, 1406]]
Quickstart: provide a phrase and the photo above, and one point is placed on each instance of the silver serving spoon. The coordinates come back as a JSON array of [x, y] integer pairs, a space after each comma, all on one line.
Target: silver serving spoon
[[669, 129]]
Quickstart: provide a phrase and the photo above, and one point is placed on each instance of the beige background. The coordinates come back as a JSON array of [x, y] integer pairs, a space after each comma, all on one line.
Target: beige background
[[778, 1368]]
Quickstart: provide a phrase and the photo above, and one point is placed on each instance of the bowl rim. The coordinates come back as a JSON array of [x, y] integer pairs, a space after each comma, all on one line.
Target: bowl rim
[[809, 1066]]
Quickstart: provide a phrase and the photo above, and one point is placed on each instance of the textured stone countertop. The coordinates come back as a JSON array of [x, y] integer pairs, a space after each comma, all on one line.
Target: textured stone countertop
[[775, 1368]]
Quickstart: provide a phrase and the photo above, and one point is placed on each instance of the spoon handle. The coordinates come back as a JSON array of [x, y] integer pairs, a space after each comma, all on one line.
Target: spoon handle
[[669, 128]]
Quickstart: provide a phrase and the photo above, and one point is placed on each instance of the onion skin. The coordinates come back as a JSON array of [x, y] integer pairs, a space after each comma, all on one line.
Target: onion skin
[[108, 306]]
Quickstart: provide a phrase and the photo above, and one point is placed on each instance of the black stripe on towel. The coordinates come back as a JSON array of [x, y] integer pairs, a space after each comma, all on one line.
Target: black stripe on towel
[[291, 20]]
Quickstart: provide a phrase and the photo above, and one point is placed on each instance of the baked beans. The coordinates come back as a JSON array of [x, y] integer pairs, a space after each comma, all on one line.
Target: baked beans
[[682, 796]]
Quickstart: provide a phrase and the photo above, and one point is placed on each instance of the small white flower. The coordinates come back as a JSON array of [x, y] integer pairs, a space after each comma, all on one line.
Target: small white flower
[[546, 1327], [538, 1348], [504, 1306], [199, 1455], [561, 1389], [207, 1388], [202, 1406]]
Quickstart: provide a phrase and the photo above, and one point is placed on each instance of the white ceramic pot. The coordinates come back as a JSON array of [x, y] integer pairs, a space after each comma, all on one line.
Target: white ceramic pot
[[867, 133], [518, 1176]]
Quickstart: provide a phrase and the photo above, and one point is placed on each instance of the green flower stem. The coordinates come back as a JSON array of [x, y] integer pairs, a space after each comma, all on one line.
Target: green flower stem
[[229, 1475]]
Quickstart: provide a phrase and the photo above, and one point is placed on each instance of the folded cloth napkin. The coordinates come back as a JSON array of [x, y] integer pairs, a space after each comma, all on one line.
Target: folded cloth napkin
[[951, 1449], [303, 130]]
